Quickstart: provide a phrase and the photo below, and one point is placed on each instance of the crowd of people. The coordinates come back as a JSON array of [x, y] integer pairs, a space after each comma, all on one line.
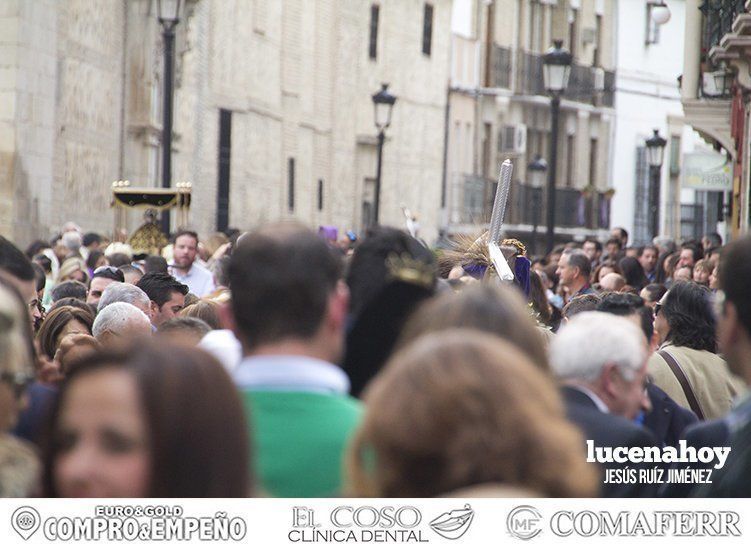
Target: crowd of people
[[282, 362]]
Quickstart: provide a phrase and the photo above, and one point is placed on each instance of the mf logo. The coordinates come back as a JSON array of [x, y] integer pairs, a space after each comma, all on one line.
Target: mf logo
[[524, 522]]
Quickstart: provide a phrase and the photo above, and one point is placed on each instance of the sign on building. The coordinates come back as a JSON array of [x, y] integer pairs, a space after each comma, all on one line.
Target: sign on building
[[707, 171]]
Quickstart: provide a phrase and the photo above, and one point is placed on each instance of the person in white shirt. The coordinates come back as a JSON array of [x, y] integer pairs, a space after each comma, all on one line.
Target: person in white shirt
[[184, 267]]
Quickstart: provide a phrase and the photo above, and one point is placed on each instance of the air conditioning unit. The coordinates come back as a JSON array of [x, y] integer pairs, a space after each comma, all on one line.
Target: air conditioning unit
[[599, 77], [513, 139]]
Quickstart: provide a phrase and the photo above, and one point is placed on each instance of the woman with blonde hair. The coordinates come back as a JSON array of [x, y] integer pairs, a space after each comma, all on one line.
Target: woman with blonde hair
[[464, 413], [497, 309], [73, 269]]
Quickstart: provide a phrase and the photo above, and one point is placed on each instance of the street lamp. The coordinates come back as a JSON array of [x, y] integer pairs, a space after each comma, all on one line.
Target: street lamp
[[383, 103], [536, 179], [556, 66], [168, 13], [655, 156]]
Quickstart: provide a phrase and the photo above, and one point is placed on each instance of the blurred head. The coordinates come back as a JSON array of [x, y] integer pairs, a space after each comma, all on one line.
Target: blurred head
[[648, 258], [368, 270], [606, 354], [711, 241], [205, 310], [593, 249], [684, 317], [148, 422], [612, 282], [683, 274], [702, 271], [155, 263], [613, 247], [186, 331], [608, 267], [652, 293], [621, 235], [131, 273], [16, 356], [495, 309], [167, 296], [452, 410], [579, 304], [285, 288], [633, 272], [69, 289], [733, 306], [73, 269], [121, 324], [16, 269], [92, 240], [60, 323], [690, 253], [185, 249], [96, 259], [72, 240]]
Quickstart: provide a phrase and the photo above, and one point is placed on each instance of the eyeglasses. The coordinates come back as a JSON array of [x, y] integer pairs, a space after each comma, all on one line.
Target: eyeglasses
[[18, 381], [658, 307]]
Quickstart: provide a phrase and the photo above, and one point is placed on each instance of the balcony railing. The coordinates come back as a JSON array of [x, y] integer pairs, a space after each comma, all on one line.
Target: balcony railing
[[582, 84], [574, 208], [502, 66], [718, 20]]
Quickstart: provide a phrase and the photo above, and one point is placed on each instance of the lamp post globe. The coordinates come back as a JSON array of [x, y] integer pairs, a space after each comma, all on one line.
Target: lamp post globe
[[536, 172], [383, 103], [556, 67], [660, 12], [656, 149], [655, 157]]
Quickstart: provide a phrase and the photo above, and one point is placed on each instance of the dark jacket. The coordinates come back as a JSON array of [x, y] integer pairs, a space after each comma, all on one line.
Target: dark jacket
[[667, 420], [610, 431]]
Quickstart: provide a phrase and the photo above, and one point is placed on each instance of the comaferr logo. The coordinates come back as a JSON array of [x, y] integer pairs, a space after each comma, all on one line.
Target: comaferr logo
[[452, 525], [675, 523], [525, 523]]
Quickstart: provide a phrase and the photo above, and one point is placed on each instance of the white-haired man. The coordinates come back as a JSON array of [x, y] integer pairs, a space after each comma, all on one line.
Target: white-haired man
[[120, 324], [601, 361], [125, 292]]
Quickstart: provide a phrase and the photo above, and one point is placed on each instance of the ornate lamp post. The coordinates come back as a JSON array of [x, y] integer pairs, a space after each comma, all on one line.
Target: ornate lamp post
[[168, 13], [555, 70], [383, 104], [536, 179], [655, 156]]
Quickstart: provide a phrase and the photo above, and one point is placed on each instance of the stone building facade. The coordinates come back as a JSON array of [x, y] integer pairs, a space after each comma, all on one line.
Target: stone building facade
[[284, 86]]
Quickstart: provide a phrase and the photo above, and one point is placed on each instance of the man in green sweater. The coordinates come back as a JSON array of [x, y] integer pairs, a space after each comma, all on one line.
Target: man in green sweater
[[289, 306]]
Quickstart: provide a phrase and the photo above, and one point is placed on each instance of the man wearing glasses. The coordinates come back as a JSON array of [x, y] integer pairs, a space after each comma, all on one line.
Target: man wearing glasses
[[102, 277]]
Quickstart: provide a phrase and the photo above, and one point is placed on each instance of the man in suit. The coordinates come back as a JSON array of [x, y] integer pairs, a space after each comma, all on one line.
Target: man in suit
[[733, 309], [601, 362]]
